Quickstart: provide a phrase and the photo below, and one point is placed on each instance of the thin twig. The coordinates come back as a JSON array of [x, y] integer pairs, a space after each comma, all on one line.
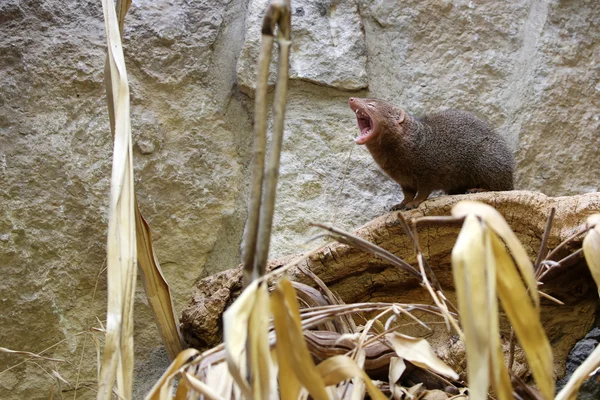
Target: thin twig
[[415, 238], [337, 200], [551, 298], [412, 234], [511, 349], [565, 242], [347, 324], [355, 241], [544, 244]]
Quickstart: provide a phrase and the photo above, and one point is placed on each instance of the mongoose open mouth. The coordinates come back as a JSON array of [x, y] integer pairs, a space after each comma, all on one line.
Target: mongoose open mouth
[[366, 125]]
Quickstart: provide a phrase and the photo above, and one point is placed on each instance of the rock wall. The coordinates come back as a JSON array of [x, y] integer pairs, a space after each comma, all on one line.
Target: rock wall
[[531, 67]]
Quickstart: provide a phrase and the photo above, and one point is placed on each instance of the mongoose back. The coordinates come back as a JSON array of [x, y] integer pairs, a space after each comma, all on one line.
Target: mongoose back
[[451, 150]]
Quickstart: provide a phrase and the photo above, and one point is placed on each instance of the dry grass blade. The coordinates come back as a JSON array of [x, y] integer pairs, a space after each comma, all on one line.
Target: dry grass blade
[[31, 355], [344, 324], [474, 269], [524, 317], [591, 248], [160, 390], [219, 379], [156, 288], [500, 379], [581, 374], [468, 261], [495, 221], [258, 344], [117, 359], [420, 353], [397, 368], [235, 335], [521, 308], [202, 388], [359, 243], [295, 362], [340, 368]]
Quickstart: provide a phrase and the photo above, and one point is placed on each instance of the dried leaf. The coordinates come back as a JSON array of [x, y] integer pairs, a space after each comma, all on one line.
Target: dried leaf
[[437, 394], [218, 378], [495, 221], [419, 352], [339, 368], [500, 379], [156, 288], [235, 334], [200, 387], [591, 248], [524, 318], [470, 279], [397, 368], [258, 344], [59, 377], [295, 362], [160, 390]]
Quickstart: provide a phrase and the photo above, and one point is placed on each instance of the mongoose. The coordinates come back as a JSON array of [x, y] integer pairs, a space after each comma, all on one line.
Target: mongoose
[[451, 150]]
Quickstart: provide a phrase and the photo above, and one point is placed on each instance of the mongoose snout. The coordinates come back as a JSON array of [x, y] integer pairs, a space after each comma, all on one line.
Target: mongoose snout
[[452, 150]]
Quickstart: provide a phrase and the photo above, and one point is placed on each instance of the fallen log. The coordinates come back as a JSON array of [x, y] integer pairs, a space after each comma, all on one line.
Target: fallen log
[[357, 276]]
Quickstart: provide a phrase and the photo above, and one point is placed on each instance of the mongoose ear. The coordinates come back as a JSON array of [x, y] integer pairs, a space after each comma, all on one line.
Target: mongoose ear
[[400, 117]]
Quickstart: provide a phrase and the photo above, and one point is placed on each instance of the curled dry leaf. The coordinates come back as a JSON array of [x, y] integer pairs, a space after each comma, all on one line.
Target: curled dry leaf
[[495, 221], [160, 390], [469, 270], [258, 344], [397, 368], [524, 318], [156, 288], [521, 308], [591, 248], [296, 366], [200, 387], [420, 353], [339, 368], [500, 379], [235, 334]]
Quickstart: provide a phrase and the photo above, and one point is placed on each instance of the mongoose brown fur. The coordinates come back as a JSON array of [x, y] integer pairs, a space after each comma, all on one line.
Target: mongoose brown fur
[[452, 150]]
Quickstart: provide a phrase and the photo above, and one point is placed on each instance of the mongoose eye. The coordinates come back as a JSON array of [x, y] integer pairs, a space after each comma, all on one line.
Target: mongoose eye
[[371, 105]]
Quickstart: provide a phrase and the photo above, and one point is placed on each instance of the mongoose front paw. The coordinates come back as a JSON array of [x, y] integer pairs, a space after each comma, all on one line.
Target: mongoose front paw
[[398, 207], [405, 206], [411, 205]]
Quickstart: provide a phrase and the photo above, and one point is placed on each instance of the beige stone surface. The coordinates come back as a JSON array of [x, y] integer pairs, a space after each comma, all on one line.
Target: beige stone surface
[[530, 67]]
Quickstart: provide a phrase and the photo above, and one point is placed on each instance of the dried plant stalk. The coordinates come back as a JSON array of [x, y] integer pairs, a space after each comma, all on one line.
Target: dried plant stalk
[[262, 202], [128, 232], [117, 362]]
